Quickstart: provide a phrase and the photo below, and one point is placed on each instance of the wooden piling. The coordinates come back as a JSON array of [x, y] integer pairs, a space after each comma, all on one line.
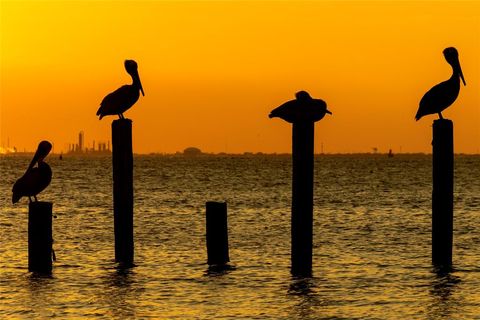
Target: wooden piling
[[122, 160], [40, 237], [217, 233], [302, 198], [442, 195]]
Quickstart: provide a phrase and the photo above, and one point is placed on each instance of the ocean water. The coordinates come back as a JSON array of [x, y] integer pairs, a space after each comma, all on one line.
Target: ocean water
[[371, 241]]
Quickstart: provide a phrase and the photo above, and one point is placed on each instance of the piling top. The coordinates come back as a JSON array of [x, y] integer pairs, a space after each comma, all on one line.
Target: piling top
[[303, 109], [442, 122], [40, 205], [215, 205], [123, 121]]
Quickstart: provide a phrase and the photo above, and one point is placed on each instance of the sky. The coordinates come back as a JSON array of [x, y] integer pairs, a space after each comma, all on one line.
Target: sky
[[212, 72]]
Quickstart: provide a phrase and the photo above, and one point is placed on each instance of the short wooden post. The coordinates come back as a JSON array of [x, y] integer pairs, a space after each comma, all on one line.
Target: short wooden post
[[217, 233], [302, 198], [40, 237], [122, 159], [442, 195]]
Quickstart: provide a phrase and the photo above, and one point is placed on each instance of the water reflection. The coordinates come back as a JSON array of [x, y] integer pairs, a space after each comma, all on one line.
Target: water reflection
[[40, 287], [303, 290], [218, 270], [444, 303], [121, 294]]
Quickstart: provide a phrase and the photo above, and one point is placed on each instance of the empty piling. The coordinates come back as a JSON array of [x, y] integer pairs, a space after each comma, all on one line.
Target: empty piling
[[217, 233]]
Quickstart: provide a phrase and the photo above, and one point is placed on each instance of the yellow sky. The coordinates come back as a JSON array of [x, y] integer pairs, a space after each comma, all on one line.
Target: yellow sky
[[212, 71]]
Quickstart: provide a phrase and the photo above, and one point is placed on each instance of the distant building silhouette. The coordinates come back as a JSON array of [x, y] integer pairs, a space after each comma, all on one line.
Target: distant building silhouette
[[80, 148], [192, 151]]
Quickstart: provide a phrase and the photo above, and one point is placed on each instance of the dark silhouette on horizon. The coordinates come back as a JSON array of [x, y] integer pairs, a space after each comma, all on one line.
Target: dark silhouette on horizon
[[303, 108], [35, 179], [445, 93], [122, 99]]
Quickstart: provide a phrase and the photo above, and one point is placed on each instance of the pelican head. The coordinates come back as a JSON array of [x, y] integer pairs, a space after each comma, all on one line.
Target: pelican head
[[132, 69], [42, 152], [451, 55], [303, 96]]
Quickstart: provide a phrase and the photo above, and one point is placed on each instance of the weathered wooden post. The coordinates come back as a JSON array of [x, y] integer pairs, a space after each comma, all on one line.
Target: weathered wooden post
[[122, 160], [302, 113], [302, 197], [217, 233], [442, 195], [40, 237]]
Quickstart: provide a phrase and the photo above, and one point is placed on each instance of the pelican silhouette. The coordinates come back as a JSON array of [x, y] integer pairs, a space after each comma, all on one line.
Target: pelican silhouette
[[124, 97], [34, 180], [445, 93], [303, 108]]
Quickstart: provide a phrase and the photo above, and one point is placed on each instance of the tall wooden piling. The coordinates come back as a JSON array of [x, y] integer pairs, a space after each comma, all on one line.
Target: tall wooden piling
[[122, 159], [40, 237], [217, 233], [442, 195], [302, 198]]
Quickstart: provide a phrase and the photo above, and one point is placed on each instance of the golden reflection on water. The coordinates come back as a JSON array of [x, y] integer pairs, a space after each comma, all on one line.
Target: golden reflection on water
[[119, 294], [444, 302], [371, 242]]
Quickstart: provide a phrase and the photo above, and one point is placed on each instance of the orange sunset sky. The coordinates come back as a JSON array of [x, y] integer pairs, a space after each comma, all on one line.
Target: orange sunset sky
[[212, 71]]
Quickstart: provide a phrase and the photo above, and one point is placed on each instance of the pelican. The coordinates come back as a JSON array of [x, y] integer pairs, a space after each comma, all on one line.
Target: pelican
[[304, 108], [34, 180], [445, 93], [124, 97]]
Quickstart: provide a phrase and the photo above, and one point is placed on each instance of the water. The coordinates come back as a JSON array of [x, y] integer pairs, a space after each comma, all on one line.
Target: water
[[371, 243]]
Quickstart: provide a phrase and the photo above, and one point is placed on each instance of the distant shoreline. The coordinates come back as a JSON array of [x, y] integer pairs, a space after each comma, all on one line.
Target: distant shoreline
[[203, 155]]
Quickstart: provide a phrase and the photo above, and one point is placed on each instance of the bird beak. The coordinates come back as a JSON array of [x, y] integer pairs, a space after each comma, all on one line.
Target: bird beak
[[141, 88], [140, 84], [461, 74], [329, 112], [42, 152], [459, 71], [36, 158]]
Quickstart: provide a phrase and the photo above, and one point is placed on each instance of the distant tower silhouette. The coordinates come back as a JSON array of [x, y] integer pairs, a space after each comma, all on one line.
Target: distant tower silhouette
[[80, 141], [445, 93]]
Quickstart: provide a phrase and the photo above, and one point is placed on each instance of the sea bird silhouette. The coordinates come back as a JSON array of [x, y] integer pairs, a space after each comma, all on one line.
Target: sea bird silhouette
[[303, 108], [34, 180], [124, 97], [445, 93]]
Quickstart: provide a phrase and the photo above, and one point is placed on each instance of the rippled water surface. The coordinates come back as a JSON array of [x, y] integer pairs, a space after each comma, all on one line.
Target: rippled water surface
[[371, 241]]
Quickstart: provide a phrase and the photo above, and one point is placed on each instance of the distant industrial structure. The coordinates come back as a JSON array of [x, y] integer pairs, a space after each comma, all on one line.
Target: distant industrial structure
[[80, 148]]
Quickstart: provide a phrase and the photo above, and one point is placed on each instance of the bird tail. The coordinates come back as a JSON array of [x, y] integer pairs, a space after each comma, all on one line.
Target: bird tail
[[99, 112], [273, 114], [15, 197]]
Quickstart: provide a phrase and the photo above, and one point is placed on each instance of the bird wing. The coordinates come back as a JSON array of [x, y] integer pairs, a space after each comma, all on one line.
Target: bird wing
[[111, 103], [33, 182], [26, 183], [436, 99], [286, 111]]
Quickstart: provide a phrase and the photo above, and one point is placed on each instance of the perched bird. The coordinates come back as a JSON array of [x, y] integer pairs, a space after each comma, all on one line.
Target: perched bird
[[35, 179], [124, 97], [303, 108], [445, 93]]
